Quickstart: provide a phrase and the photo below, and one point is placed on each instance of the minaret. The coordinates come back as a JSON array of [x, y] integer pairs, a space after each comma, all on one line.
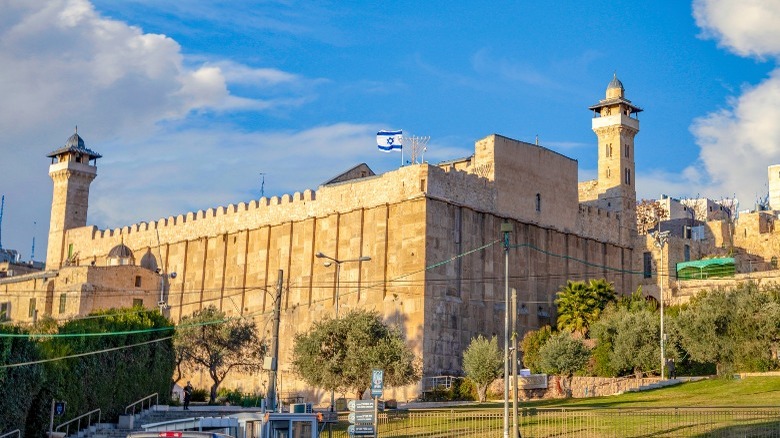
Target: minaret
[[616, 122], [73, 167]]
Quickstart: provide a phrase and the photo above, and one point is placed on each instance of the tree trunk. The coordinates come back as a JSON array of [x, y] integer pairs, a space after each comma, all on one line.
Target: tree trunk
[[482, 393], [214, 388]]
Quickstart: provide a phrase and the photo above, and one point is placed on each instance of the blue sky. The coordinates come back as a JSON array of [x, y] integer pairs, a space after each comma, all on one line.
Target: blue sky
[[190, 101]]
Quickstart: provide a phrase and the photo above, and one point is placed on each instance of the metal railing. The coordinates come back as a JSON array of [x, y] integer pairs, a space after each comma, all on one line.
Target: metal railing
[[141, 402], [17, 432], [88, 420], [582, 422]]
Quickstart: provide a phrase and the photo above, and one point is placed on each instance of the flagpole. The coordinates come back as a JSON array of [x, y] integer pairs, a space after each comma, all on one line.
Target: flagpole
[[402, 149]]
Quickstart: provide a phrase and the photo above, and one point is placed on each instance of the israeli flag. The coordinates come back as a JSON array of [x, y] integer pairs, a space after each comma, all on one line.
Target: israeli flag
[[388, 141]]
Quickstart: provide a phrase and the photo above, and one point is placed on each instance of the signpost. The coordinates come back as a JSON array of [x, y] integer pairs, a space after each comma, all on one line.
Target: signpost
[[365, 413], [362, 417], [377, 383], [361, 430], [58, 409]]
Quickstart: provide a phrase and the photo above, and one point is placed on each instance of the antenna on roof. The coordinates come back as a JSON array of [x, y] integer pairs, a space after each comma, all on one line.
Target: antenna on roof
[[418, 145], [262, 184]]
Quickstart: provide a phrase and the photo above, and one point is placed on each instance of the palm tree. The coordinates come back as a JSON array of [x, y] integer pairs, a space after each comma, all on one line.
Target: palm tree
[[577, 307], [604, 292]]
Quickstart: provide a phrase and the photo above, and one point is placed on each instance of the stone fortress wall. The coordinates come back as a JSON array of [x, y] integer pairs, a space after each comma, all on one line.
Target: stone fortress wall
[[405, 220]]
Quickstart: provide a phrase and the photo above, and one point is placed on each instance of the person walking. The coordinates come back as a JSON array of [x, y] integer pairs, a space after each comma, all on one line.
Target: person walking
[[187, 395], [670, 367]]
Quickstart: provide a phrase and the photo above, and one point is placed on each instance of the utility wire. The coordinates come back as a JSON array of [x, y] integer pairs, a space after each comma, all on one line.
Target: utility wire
[[89, 353]]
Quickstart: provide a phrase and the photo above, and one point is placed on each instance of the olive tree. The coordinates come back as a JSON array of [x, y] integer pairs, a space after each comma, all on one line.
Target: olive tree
[[339, 354], [563, 355], [482, 363], [208, 339]]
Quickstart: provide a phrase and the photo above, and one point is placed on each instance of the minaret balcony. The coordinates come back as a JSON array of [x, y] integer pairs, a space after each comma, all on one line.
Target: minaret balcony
[[615, 119], [74, 166]]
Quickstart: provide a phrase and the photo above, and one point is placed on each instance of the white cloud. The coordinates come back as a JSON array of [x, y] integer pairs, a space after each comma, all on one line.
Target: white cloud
[[739, 142], [747, 27], [66, 64]]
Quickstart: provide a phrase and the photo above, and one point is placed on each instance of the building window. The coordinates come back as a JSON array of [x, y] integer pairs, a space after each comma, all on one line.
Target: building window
[[609, 150], [32, 308], [687, 253], [648, 264], [62, 303], [137, 281], [70, 251], [538, 202], [5, 311], [422, 185], [138, 302], [609, 172], [626, 151], [628, 177]]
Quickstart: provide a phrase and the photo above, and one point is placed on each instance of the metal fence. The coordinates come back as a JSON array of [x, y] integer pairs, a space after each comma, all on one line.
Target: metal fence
[[582, 422]]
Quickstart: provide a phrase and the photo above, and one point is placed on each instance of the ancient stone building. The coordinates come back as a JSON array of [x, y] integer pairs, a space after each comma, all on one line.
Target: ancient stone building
[[432, 233]]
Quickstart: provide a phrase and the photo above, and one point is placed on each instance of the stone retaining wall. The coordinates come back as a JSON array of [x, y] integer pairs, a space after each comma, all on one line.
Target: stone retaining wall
[[581, 387]]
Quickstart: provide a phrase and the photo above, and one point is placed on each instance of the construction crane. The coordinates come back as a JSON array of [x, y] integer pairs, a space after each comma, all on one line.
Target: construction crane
[[2, 205]]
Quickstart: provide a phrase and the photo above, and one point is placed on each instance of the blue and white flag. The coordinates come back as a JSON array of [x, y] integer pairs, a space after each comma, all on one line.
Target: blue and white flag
[[388, 141]]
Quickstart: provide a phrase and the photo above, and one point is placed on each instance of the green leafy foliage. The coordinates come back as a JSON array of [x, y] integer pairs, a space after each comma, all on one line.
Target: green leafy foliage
[[132, 359], [736, 329], [18, 383], [580, 304], [628, 335], [339, 354], [563, 355], [208, 340], [530, 346], [483, 363]]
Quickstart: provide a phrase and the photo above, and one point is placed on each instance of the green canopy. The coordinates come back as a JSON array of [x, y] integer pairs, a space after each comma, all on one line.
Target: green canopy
[[699, 269]]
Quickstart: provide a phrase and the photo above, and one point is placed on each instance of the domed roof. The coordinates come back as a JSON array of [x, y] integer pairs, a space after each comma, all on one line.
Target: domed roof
[[75, 144], [74, 141], [615, 83], [148, 261], [121, 251]]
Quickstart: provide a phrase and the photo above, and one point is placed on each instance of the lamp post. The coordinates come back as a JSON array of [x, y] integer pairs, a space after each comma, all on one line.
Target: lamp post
[[660, 241], [506, 228], [330, 261]]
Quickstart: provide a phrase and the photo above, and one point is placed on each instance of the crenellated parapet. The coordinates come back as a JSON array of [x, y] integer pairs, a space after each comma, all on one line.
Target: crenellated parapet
[[602, 224]]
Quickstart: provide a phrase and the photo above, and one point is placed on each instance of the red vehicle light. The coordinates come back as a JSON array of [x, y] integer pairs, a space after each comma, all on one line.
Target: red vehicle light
[[169, 434]]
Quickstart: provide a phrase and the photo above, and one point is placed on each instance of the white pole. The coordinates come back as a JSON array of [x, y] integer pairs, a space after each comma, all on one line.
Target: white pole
[[506, 334], [660, 277]]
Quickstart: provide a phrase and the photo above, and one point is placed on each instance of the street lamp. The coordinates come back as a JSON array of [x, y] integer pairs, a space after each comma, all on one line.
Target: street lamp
[[506, 228], [660, 241], [330, 261]]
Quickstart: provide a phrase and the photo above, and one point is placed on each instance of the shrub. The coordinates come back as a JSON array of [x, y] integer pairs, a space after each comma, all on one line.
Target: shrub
[[199, 395]]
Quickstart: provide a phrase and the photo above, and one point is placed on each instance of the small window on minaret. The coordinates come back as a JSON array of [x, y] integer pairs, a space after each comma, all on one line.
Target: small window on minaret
[[609, 150], [626, 151], [538, 202], [609, 172], [628, 177]]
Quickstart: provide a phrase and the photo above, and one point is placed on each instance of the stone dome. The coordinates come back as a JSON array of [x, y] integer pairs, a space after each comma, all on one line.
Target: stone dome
[[615, 83], [121, 255]]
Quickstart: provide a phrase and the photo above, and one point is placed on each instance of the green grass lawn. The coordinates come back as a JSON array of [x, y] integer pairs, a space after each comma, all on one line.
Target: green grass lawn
[[662, 412], [750, 391]]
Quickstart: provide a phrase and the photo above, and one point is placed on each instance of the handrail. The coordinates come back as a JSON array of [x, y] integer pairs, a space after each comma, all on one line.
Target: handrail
[[17, 432], [89, 421], [141, 401]]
